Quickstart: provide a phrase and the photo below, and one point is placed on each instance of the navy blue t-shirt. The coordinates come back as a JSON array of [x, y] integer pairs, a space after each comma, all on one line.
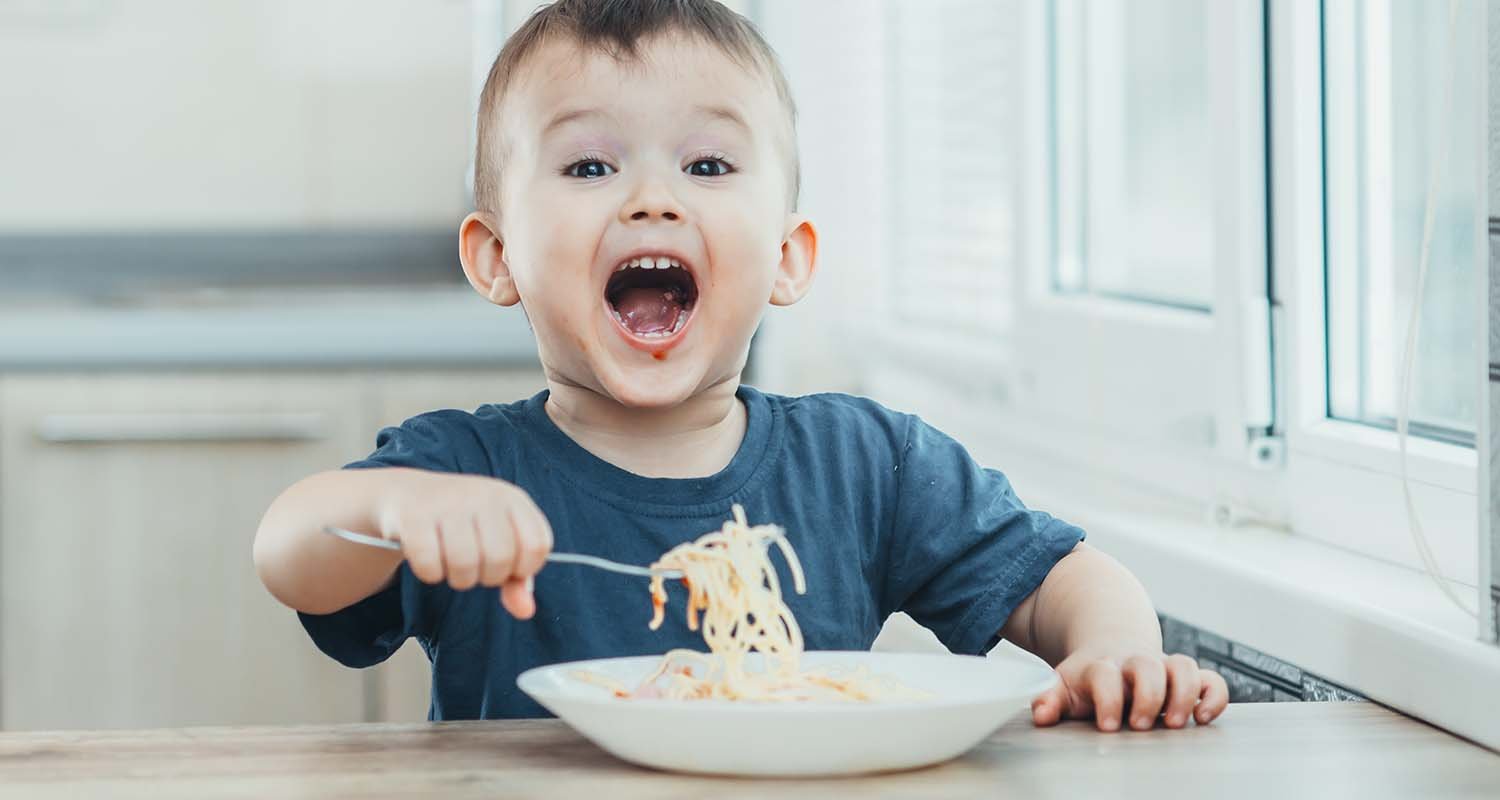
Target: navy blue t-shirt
[[885, 512]]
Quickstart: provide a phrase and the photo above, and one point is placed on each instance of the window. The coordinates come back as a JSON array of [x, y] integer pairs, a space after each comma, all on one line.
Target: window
[[1142, 232], [1133, 161], [1293, 151], [1219, 209], [950, 195], [1393, 132], [1349, 176]]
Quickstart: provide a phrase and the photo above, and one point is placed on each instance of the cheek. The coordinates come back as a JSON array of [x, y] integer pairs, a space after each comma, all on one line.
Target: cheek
[[554, 250], [744, 241]]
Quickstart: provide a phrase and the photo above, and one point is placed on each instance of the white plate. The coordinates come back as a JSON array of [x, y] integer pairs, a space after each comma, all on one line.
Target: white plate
[[971, 697]]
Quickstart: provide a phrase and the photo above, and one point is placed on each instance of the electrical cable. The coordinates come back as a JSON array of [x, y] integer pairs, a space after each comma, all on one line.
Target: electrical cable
[[1408, 360]]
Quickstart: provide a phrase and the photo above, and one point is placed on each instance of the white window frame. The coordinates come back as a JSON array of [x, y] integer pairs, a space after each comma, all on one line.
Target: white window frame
[[1086, 366], [1100, 377], [1327, 457]]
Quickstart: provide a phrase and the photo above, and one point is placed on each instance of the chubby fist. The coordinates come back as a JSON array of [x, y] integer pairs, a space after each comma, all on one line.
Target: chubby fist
[[467, 531]]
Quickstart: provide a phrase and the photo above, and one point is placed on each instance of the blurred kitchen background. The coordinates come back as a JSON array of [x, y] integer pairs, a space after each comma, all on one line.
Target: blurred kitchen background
[[1156, 259]]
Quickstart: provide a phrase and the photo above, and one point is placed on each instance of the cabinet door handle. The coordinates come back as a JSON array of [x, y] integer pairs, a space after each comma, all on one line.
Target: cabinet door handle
[[125, 428]]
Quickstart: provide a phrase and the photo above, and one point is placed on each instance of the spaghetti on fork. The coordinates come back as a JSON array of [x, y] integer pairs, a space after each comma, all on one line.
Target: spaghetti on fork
[[732, 583]]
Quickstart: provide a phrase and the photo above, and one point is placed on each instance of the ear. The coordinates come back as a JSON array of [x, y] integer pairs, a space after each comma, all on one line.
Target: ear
[[799, 260], [483, 257]]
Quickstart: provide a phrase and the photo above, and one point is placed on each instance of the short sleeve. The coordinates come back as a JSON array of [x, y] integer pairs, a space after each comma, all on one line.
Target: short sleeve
[[965, 551], [441, 441], [369, 631]]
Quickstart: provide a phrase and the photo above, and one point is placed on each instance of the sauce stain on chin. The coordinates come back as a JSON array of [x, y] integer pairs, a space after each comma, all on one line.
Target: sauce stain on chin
[[659, 355]]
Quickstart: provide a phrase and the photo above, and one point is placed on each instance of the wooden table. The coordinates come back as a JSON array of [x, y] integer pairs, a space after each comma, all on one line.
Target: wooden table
[[1267, 751]]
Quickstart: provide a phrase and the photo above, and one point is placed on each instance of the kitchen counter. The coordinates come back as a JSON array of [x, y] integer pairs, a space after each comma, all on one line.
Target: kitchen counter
[[422, 326], [1264, 751]]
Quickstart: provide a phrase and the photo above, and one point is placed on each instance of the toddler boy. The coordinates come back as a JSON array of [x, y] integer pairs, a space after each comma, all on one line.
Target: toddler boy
[[636, 187]]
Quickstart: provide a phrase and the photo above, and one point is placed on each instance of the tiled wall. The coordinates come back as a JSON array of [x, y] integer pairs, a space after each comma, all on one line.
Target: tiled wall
[[1493, 633], [1493, 27], [1253, 676]]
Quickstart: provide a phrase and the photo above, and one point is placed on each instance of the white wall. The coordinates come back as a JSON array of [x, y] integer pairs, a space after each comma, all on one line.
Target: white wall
[[816, 345], [236, 113]]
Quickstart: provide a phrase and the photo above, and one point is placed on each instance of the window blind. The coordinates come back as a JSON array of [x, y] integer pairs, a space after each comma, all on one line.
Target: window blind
[[952, 82]]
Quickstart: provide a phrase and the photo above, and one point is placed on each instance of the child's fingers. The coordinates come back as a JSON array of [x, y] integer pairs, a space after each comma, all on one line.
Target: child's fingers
[[533, 539], [517, 598], [1050, 706], [460, 551], [1214, 699], [497, 544], [1148, 677], [1183, 688], [1106, 688], [420, 545]]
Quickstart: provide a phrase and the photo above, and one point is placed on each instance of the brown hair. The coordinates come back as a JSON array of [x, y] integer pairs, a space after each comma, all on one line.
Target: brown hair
[[617, 27]]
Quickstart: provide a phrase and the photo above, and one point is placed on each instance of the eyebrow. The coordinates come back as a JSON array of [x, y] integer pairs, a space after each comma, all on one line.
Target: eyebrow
[[564, 117], [724, 113]]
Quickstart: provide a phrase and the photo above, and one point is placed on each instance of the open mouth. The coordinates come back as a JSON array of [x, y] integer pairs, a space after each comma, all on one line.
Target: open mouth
[[651, 297]]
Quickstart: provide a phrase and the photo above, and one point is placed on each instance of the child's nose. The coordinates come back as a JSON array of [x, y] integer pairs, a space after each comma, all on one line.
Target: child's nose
[[652, 200]]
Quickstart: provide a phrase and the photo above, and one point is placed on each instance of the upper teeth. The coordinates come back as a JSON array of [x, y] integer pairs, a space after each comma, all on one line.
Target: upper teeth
[[647, 262]]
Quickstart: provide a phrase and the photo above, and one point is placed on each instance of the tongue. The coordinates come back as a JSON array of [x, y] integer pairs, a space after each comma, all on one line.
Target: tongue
[[647, 310]]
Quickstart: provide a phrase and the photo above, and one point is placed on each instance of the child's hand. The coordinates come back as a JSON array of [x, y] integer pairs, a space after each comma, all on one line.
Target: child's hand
[[1109, 683], [469, 530]]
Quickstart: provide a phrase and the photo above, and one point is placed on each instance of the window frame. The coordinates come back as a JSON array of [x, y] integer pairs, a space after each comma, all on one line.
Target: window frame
[[1091, 181], [1071, 348], [1331, 480], [1327, 456]]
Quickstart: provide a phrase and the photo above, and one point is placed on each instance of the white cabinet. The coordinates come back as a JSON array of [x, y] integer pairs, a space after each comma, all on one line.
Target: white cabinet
[[128, 504], [127, 510]]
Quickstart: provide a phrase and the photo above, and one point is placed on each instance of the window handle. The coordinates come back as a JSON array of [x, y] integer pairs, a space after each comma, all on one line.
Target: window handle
[[1259, 408], [1265, 446]]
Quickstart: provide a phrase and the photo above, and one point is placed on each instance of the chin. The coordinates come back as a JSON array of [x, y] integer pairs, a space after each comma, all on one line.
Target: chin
[[650, 388]]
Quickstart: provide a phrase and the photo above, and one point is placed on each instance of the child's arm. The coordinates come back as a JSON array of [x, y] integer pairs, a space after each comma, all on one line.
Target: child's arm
[[466, 529], [1092, 621]]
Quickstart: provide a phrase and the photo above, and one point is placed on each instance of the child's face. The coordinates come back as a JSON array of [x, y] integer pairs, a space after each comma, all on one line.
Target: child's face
[[680, 156]]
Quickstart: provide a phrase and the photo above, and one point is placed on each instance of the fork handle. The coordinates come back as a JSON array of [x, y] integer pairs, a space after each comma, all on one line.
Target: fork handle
[[554, 557]]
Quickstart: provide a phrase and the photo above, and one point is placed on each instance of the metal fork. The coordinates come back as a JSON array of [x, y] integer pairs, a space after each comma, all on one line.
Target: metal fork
[[556, 558]]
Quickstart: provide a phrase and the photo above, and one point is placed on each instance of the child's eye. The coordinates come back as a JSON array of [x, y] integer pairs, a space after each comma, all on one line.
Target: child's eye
[[589, 169], [709, 168]]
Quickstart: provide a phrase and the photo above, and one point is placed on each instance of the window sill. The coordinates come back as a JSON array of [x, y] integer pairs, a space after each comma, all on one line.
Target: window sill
[[1379, 629]]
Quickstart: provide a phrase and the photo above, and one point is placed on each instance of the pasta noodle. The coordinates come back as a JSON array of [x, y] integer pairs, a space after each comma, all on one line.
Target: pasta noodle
[[731, 581]]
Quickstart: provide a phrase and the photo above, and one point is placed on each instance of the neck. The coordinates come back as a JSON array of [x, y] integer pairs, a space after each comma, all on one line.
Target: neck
[[693, 439]]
